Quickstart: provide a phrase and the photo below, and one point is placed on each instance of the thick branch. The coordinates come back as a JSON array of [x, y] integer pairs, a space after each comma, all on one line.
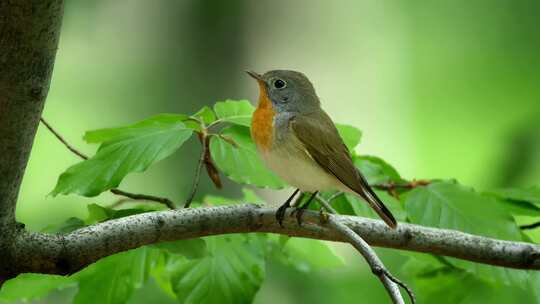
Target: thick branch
[[64, 254], [29, 33]]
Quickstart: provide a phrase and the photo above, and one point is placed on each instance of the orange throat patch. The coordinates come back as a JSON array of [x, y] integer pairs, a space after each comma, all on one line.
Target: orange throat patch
[[263, 121]]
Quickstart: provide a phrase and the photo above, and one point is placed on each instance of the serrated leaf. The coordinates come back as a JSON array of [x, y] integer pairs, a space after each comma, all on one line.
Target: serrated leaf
[[231, 273], [234, 111], [190, 248], [351, 135], [453, 206], [376, 170], [206, 115], [113, 279], [242, 164], [123, 150], [30, 286]]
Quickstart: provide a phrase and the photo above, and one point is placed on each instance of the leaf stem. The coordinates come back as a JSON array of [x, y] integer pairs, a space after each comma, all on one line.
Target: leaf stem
[[202, 136], [62, 140]]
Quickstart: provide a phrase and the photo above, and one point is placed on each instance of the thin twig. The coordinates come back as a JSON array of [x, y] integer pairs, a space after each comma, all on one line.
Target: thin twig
[[530, 226], [392, 187], [407, 185], [144, 197], [62, 140], [401, 284], [334, 196], [325, 204], [119, 202], [371, 257], [202, 137], [165, 201]]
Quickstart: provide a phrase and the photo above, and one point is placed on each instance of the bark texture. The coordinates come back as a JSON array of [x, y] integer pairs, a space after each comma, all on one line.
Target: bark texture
[[29, 32], [66, 254]]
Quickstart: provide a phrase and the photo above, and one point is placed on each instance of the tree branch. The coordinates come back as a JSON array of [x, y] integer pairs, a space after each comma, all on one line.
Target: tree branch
[[66, 254], [377, 267]]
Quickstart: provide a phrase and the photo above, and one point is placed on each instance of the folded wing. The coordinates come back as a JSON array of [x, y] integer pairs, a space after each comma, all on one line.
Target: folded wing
[[318, 134]]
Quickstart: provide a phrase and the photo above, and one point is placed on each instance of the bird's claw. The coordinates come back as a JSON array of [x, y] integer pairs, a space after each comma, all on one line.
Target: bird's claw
[[299, 212], [280, 214]]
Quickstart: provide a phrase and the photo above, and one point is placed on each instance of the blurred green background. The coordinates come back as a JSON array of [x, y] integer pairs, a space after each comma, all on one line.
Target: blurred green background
[[440, 89]]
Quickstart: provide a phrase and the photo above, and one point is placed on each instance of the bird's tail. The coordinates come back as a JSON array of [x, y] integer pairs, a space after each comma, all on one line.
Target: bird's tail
[[377, 205]]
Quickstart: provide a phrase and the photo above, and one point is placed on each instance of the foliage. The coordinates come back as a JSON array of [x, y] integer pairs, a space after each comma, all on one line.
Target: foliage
[[231, 268]]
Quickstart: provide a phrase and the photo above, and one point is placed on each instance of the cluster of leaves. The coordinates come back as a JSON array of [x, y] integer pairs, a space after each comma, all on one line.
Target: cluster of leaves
[[230, 269]]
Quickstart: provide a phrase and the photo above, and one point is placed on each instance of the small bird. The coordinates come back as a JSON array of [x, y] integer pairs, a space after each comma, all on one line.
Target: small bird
[[299, 142]]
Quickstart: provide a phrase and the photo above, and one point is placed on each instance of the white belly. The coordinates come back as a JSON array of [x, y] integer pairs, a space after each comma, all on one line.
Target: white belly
[[299, 170]]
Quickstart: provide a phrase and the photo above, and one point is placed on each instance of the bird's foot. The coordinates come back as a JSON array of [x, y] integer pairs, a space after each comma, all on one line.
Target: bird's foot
[[280, 214], [299, 212]]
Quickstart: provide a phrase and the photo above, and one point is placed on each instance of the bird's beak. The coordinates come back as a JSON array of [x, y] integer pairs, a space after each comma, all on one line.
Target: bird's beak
[[255, 76]]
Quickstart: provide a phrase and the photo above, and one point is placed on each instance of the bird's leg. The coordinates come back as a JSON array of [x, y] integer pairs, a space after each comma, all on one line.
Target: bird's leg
[[280, 214], [300, 210]]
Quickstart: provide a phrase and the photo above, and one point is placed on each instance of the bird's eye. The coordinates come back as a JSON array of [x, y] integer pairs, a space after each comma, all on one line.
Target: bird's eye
[[279, 84]]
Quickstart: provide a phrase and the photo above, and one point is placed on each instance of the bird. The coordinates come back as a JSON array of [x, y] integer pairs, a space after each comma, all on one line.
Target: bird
[[298, 141]]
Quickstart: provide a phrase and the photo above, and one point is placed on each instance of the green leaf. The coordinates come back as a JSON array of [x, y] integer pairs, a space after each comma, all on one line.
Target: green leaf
[[242, 164], [236, 112], [72, 223], [361, 208], [521, 208], [206, 115], [446, 286], [453, 206], [123, 150], [231, 273], [30, 286], [340, 204], [113, 279], [376, 170], [307, 254], [520, 201], [350, 135], [97, 213], [531, 195], [190, 248], [248, 196]]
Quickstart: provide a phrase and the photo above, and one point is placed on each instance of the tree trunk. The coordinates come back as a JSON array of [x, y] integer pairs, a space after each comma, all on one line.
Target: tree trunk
[[29, 32]]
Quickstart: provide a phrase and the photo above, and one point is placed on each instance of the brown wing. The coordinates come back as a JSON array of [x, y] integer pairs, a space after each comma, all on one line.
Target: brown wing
[[321, 139]]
